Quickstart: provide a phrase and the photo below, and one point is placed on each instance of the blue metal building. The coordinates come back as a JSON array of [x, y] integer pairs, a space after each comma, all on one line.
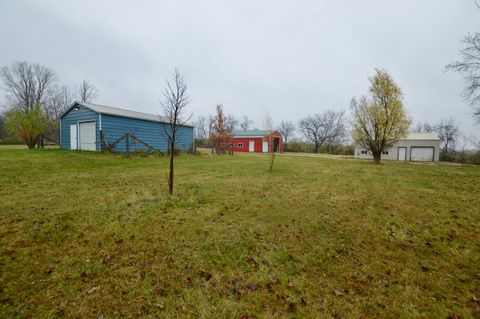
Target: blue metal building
[[83, 124]]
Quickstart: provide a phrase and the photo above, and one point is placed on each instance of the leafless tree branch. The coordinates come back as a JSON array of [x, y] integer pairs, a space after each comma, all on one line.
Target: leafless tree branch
[[469, 68], [174, 103], [245, 123], [27, 84], [326, 128], [286, 128], [448, 132], [231, 123], [87, 92]]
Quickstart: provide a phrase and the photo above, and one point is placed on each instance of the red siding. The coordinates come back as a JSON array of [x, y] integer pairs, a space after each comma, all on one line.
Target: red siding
[[258, 143]]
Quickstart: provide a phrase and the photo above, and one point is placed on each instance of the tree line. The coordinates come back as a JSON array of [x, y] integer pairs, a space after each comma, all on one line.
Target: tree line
[[34, 101], [378, 120], [327, 128]]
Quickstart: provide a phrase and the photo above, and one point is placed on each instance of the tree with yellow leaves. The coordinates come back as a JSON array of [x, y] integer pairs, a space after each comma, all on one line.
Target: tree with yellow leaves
[[380, 119]]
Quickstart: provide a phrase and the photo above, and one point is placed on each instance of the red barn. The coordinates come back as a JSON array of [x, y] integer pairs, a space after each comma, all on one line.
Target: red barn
[[257, 141]]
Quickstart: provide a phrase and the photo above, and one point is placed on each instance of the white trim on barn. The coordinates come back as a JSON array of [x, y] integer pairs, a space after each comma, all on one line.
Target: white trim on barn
[[264, 146]]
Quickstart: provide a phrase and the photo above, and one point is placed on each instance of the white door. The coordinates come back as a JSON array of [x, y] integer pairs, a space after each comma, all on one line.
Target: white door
[[251, 146], [421, 154], [402, 154], [265, 146], [73, 136], [88, 139]]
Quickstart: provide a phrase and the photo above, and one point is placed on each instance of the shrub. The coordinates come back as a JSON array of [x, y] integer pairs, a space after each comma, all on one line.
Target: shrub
[[464, 157], [27, 126], [305, 147], [10, 140], [202, 142]]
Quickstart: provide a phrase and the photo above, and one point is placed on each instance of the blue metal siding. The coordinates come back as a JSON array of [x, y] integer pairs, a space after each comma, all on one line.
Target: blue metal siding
[[152, 133], [73, 117]]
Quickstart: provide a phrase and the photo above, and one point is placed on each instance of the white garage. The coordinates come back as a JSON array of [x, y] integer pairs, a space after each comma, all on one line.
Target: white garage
[[416, 147]]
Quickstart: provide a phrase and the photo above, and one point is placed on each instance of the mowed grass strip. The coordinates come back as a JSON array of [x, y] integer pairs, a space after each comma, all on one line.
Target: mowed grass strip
[[86, 235]]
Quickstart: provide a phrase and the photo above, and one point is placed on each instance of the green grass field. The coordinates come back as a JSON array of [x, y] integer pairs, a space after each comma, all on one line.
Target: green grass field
[[88, 235]]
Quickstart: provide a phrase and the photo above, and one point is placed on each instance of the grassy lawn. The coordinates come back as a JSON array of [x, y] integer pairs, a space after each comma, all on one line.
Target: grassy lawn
[[88, 235]]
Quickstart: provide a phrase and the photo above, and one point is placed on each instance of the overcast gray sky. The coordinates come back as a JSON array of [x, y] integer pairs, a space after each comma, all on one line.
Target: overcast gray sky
[[288, 58]]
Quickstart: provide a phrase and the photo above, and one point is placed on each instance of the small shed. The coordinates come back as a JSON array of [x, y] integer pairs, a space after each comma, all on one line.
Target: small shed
[[416, 147], [85, 126], [257, 141]]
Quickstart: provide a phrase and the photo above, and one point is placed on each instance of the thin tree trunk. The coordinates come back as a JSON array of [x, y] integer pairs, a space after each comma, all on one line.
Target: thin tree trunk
[[170, 177], [272, 160]]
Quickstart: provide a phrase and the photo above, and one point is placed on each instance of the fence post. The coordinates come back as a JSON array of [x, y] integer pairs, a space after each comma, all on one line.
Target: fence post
[[127, 148]]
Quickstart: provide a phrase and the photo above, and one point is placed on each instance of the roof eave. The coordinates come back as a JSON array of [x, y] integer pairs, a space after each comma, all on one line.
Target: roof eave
[[112, 114], [141, 119], [67, 109]]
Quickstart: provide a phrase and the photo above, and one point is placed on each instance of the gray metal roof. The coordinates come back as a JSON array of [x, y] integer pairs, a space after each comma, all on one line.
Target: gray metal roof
[[421, 137], [110, 110], [252, 133]]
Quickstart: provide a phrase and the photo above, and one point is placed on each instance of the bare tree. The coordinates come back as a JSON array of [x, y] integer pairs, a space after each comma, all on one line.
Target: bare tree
[[245, 123], [174, 104], [423, 128], [60, 98], [231, 123], [448, 132], [87, 92], [211, 125], [475, 141], [286, 128], [325, 128], [469, 68], [27, 84], [201, 124], [268, 121]]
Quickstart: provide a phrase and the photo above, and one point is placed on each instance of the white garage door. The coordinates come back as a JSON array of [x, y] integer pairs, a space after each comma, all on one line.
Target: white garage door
[[421, 154], [87, 133]]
